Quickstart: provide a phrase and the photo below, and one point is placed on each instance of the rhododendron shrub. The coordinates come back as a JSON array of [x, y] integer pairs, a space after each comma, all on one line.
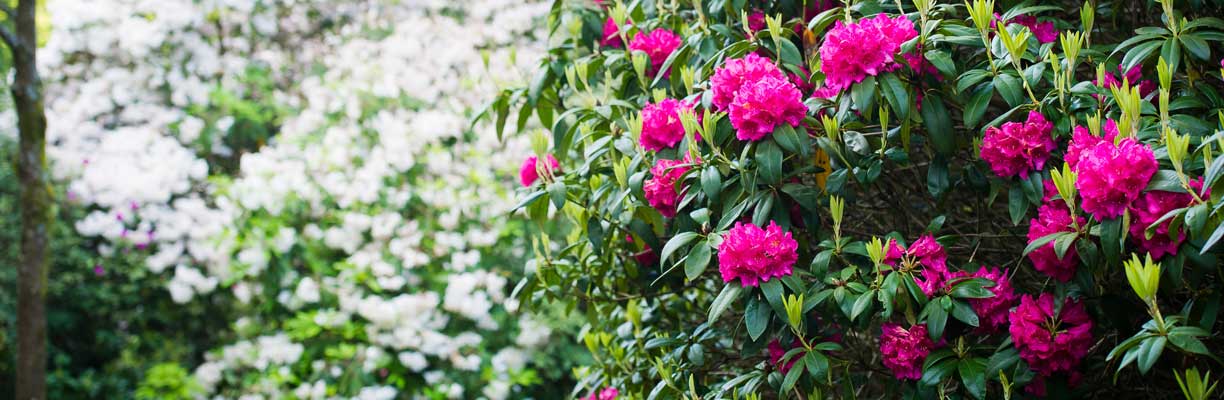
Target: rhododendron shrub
[[878, 199]]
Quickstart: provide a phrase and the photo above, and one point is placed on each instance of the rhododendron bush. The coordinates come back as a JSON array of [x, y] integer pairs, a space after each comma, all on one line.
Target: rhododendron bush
[[289, 201], [911, 199]]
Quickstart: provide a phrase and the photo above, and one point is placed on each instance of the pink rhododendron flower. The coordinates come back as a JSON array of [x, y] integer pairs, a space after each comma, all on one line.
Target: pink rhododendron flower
[[645, 257], [661, 127], [1147, 209], [1051, 342], [611, 35], [992, 311], [735, 73], [1082, 140], [754, 255], [776, 352], [756, 21], [1134, 76], [529, 172], [608, 393], [661, 188], [905, 350], [1043, 31], [1110, 177], [854, 51], [1017, 148], [1053, 217], [761, 106], [920, 65], [926, 253], [658, 45]]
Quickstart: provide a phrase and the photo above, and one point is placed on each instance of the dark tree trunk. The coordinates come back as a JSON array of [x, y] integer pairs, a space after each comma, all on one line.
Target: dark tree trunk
[[36, 205]]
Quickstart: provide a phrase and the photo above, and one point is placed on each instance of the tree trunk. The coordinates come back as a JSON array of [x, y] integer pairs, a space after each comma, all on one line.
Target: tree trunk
[[36, 206]]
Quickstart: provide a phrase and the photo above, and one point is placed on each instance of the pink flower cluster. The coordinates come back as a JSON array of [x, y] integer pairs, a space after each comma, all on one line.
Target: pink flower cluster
[[658, 45], [1051, 342], [776, 352], [529, 172], [1133, 76], [1148, 208], [1017, 148], [1082, 141], [761, 106], [1043, 31], [608, 393], [661, 127], [661, 190], [992, 311], [757, 96], [734, 73], [854, 51], [928, 254], [905, 350], [1053, 217], [754, 255], [611, 35], [1110, 177]]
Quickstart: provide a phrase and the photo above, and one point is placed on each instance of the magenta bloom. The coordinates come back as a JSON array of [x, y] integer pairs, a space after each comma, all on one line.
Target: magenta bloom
[[756, 21], [1111, 177], [1083, 140], [611, 35], [1134, 76], [1043, 31], [1018, 148], [852, 52], [754, 255], [1053, 217], [658, 45], [992, 311], [926, 253], [761, 106], [529, 172], [735, 73], [1050, 342], [661, 190], [608, 393], [905, 350], [661, 127], [1147, 209], [776, 352]]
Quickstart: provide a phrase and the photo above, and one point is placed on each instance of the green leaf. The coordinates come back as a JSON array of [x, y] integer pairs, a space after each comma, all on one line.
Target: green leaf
[[1211, 241], [936, 319], [711, 182], [863, 94], [1189, 344], [793, 375], [938, 124], [674, 244], [698, 259], [756, 317], [894, 92], [773, 294], [941, 61], [1017, 205], [1062, 243], [1139, 54], [790, 54], [556, 193], [862, 304], [937, 177], [978, 102], [1044, 240], [1195, 45], [932, 376], [964, 313], [1010, 88], [729, 294], [972, 373], [789, 139], [769, 162], [1149, 352]]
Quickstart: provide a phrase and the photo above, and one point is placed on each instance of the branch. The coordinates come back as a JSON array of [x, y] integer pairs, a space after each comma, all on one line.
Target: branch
[[9, 38]]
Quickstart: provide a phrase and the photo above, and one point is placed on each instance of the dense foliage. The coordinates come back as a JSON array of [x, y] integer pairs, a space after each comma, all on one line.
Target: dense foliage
[[814, 199]]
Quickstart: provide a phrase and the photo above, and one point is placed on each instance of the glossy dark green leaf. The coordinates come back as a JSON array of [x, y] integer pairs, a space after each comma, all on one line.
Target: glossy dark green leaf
[[978, 102], [731, 292], [769, 162], [938, 124], [698, 259], [756, 317]]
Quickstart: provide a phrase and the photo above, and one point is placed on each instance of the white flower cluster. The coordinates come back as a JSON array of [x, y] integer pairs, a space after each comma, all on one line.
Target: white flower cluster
[[374, 206]]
